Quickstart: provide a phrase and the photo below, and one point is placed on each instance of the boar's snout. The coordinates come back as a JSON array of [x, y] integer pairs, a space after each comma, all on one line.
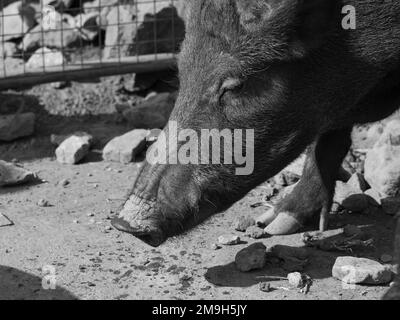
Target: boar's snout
[[147, 232], [161, 204], [140, 218]]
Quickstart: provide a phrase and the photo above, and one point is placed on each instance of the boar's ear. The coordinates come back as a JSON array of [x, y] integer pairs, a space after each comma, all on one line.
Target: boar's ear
[[303, 23], [254, 13]]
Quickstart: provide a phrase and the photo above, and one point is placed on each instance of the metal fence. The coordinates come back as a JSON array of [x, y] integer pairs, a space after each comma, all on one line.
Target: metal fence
[[62, 40]]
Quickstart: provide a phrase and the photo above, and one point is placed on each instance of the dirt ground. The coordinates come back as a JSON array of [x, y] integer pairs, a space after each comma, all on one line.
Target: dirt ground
[[93, 261]]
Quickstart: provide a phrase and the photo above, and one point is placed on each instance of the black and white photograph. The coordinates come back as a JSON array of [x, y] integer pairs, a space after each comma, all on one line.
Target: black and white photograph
[[200, 157]]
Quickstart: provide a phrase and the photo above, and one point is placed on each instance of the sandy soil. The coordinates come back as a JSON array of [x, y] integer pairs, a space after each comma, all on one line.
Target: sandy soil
[[93, 262]]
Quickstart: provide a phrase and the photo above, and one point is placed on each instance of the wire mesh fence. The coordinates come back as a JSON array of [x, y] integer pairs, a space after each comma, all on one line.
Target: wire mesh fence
[[59, 40]]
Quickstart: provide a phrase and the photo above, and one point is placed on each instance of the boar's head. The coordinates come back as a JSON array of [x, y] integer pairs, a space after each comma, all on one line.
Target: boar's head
[[244, 65]]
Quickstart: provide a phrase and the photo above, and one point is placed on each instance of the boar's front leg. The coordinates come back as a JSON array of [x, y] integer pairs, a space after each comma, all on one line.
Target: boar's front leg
[[314, 192]]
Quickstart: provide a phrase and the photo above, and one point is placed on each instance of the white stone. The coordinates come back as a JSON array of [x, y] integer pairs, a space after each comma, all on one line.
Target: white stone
[[125, 148], [382, 164], [45, 58]]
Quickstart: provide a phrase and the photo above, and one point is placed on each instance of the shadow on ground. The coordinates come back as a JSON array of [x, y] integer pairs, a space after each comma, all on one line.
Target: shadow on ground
[[19, 285], [320, 262]]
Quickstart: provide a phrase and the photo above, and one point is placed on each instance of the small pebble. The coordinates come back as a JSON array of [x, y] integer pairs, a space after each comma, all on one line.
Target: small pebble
[[229, 240], [75, 221], [295, 279], [64, 182], [265, 287], [215, 246], [91, 214], [43, 203], [255, 232], [185, 277]]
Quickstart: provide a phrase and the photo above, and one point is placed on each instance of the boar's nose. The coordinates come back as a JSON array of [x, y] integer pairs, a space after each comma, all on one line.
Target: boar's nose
[[146, 231]]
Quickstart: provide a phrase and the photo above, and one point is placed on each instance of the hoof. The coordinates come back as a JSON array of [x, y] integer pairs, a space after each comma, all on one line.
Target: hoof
[[284, 224], [266, 218]]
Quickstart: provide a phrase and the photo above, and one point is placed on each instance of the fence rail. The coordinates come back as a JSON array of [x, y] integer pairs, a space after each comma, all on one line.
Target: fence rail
[[63, 40]]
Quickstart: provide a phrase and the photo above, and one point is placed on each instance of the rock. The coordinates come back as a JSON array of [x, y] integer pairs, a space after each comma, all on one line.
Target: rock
[[125, 148], [251, 258], [16, 126], [391, 206], [152, 113], [43, 203], [382, 164], [120, 32], [88, 25], [386, 258], [243, 222], [255, 232], [17, 18], [5, 221], [64, 182], [61, 37], [7, 49], [283, 252], [228, 240], [73, 149], [295, 279], [11, 175], [265, 287], [215, 246], [353, 270], [11, 66], [44, 58], [57, 139]]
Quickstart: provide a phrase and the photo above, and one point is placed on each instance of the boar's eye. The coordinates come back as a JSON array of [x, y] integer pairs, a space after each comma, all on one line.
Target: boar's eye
[[230, 85]]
